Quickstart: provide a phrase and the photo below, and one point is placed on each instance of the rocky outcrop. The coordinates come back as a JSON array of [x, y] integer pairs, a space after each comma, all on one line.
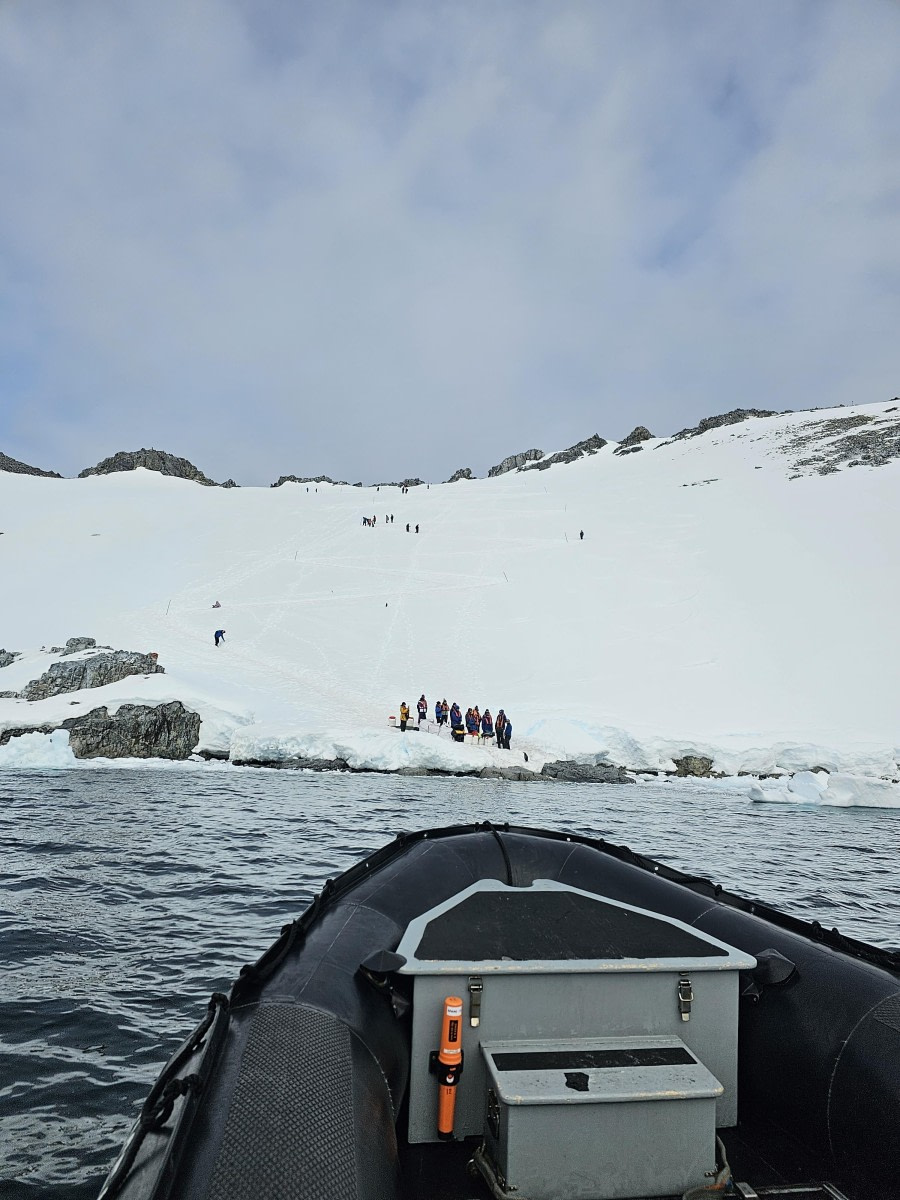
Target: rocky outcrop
[[632, 443], [514, 462], [730, 418], [19, 468], [151, 460], [856, 440], [696, 766], [91, 672], [135, 731], [462, 473], [307, 479], [589, 446], [229, 483], [8, 656], [569, 771], [73, 645]]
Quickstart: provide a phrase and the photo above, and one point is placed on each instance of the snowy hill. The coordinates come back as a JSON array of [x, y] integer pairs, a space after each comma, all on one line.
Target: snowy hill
[[733, 596]]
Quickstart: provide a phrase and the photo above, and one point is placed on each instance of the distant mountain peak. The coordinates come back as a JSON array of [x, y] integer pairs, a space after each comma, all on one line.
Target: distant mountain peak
[[150, 460]]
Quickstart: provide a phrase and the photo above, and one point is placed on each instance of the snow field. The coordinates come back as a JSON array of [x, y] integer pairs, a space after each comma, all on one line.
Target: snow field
[[715, 606]]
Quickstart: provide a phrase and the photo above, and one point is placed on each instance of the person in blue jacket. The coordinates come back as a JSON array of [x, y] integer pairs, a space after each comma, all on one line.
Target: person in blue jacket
[[457, 731], [438, 713], [471, 722], [507, 733], [220, 636], [487, 724]]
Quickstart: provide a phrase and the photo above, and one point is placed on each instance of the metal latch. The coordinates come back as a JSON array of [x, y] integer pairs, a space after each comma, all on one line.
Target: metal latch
[[476, 987], [685, 997]]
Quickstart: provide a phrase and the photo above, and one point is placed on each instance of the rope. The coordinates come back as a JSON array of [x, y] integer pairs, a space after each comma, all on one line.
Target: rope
[[159, 1104]]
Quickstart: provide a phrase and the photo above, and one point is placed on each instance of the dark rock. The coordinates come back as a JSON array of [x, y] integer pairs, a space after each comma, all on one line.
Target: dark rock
[[294, 764], [640, 433], [695, 765], [627, 449], [19, 468], [7, 735], [151, 460], [589, 446], [514, 462], [308, 479], [73, 645], [518, 774], [462, 473], [730, 418], [135, 731], [229, 483], [90, 673], [8, 656], [569, 771]]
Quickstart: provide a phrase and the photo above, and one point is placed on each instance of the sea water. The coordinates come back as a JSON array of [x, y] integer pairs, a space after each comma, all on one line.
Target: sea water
[[131, 894]]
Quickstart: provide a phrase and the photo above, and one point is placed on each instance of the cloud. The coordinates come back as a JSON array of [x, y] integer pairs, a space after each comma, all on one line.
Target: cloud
[[375, 240]]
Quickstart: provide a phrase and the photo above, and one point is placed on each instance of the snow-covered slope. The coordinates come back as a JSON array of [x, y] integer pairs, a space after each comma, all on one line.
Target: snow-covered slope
[[726, 599]]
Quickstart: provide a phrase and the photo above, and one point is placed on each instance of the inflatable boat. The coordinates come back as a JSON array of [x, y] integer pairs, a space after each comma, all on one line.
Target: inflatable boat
[[492, 1011]]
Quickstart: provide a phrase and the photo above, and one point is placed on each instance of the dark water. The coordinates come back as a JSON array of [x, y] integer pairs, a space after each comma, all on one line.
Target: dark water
[[130, 895]]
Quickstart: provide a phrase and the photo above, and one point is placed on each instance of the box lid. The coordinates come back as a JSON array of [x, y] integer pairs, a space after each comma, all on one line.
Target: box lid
[[549, 926], [597, 1070]]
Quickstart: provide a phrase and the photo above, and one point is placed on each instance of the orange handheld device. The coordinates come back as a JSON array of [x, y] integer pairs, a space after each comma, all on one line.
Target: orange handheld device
[[449, 1064]]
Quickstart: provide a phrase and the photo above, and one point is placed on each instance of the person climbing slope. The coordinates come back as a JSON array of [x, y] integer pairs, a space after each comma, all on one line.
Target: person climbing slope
[[220, 636]]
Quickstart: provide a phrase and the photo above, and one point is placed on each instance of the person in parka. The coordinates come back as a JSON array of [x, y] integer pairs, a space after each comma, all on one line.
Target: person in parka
[[499, 725], [487, 724], [422, 708], [404, 716]]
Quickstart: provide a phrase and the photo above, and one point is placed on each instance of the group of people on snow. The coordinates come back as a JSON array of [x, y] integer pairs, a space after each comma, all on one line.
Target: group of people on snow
[[388, 520], [474, 724]]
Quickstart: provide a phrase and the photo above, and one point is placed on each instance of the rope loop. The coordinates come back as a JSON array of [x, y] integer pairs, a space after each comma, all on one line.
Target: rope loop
[[156, 1114]]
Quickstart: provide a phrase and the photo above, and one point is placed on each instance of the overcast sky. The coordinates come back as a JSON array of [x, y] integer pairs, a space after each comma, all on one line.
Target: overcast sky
[[374, 239]]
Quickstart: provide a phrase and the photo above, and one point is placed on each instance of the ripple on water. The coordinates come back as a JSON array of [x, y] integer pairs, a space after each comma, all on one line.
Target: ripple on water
[[132, 895]]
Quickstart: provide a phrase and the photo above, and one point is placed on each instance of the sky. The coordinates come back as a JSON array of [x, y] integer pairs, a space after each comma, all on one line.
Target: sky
[[376, 239]]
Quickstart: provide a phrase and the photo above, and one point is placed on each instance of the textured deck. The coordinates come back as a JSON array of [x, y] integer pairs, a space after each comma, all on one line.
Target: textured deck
[[295, 1076], [529, 925]]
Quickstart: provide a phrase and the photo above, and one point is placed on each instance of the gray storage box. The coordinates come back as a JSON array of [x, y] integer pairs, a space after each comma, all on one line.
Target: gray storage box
[[555, 962], [598, 1119]]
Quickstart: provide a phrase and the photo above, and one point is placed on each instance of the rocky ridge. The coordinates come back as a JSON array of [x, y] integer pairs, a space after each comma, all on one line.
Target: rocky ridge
[[19, 468], [514, 462], [152, 460], [730, 418], [589, 446]]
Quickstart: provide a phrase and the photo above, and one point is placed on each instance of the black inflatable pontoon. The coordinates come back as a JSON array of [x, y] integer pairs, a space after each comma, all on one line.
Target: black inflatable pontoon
[[625, 1031]]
